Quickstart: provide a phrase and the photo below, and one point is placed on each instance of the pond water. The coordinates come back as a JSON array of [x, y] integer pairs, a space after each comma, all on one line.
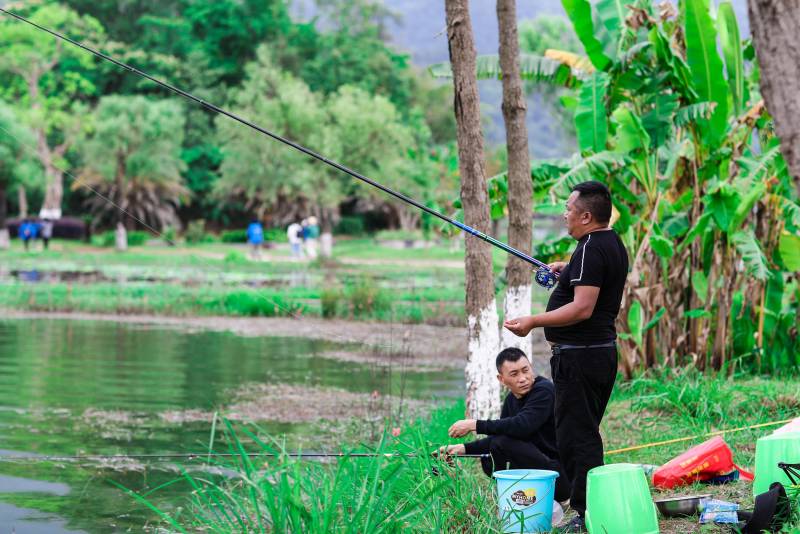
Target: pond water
[[83, 387]]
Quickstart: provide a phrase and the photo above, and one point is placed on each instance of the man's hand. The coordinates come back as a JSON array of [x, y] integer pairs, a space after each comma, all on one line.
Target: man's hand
[[452, 450], [557, 266], [520, 326], [461, 428]]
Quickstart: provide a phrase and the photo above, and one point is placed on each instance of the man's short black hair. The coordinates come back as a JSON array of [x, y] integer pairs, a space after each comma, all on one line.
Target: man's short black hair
[[511, 354], [595, 198]]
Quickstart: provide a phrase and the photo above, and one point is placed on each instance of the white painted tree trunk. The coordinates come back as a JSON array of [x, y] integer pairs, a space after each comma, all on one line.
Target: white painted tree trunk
[[121, 238], [483, 389], [5, 239], [326, 244], [517, 304]]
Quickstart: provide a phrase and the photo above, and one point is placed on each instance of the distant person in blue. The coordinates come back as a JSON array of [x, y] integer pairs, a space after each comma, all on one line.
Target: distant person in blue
[[27, 232], [255, 237]]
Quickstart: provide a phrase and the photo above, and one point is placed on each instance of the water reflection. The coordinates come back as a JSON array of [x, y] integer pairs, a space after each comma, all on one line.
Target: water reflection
[[56, 376]]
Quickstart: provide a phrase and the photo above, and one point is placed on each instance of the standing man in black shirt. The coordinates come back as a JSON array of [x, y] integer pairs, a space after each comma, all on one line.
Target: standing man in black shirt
[[525, 435], [579, 324]]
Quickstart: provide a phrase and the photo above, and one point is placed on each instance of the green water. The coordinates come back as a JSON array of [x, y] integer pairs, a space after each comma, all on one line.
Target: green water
[[79, 387]]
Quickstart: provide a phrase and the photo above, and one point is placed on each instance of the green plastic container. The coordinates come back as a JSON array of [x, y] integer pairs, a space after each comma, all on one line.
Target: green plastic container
[[618, 500], [769, 451]]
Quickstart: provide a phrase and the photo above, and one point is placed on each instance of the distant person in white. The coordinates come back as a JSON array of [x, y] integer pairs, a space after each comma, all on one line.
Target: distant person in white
[[295, 242]]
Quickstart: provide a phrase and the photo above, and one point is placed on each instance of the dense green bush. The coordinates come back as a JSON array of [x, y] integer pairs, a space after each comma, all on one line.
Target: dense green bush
[[350, 225], [107, 239], [330, 301], [399, 235], [196, 233], [234, 236], [366, 298], [275, 235]]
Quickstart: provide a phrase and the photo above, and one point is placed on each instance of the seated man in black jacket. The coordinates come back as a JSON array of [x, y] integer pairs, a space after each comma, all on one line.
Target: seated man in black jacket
[[525, 435]]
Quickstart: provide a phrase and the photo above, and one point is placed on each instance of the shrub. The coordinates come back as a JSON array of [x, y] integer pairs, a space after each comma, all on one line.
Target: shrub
[[196, 233], [169, 235], [103, 239], [137, 238], [330, 300], [234, 236], [350, 225], [275, 235], [366, 299]]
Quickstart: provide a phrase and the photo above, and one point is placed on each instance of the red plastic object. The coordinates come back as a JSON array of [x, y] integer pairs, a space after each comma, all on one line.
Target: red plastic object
[[702, 462]]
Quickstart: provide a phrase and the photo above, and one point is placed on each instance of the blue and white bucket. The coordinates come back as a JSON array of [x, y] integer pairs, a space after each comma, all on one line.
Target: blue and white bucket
[[525, 499]]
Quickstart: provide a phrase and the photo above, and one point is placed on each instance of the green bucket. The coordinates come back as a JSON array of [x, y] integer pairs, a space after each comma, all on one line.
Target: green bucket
[[769, 451], [618, 500]]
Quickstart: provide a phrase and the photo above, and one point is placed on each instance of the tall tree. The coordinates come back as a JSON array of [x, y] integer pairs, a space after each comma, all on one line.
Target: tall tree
[[483, 392], [776, 27], [49, 78], [134, 159], [520, 187], [16, 163]]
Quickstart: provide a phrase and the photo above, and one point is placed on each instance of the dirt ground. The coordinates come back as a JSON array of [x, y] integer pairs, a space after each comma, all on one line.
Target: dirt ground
[[429, 346]]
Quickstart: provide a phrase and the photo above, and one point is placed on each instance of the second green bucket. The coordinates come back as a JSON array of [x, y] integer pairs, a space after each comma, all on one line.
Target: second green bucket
[[618, 500], [769, 451]]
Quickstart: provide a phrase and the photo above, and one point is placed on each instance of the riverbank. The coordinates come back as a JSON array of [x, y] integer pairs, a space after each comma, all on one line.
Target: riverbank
[[420, 494]]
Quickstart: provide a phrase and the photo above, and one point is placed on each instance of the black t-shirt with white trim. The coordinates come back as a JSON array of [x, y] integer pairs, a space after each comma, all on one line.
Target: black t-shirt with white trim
[[599, 260]]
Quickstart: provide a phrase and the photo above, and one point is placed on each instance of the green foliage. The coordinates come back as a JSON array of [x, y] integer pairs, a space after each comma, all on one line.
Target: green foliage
[[366, 299], [350, 225], [130, 158], [196, 233], [330, 302], [692, 185], [234, 236]]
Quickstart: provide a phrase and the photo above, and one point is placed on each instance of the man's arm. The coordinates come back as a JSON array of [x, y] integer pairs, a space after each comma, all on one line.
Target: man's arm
[[537, 410], [580, 309]]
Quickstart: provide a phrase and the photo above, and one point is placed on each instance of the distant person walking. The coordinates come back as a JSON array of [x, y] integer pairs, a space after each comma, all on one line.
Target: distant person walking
[[294, 234], [47, 232], [311, 234], [255, 237], [27, 232]]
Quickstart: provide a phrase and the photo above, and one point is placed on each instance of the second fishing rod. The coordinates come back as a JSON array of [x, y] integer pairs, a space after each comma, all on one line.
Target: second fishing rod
[[543, 276]]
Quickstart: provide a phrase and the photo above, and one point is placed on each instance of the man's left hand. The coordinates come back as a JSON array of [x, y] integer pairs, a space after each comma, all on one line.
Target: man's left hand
[[461, 428], [520, 326]]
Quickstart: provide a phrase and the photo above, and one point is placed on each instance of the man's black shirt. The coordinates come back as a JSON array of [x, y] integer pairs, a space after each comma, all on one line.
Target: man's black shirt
[[599, 260], [529, 418]]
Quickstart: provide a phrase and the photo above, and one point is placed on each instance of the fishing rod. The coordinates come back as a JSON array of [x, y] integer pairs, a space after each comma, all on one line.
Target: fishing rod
[[543, 276], [195, 456]]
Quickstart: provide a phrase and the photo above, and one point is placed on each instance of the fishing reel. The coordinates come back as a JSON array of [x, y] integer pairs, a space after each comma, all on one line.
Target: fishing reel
[[546, 278]]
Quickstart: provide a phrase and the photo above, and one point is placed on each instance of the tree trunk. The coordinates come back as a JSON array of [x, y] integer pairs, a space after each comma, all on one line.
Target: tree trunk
[[54, 189], [776, 27], [483, 390], [121, 237], [22, 200], [4, 237], [520, 187]]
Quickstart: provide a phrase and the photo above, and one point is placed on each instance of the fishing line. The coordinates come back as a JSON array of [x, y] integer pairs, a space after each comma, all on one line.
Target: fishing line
[[204, 455], [543, 276]]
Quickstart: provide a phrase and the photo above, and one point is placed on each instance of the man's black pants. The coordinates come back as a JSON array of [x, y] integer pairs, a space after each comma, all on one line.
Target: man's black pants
[[583, 379], [510, 453]]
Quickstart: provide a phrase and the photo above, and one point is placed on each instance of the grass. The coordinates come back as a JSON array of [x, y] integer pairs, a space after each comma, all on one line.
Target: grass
[[380, 494]]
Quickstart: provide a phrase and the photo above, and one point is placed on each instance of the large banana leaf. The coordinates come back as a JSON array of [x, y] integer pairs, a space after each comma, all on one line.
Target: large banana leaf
[[658, 121], [732, 50], [790, 251], [590, 114], [532, 68], [754, 260], [631, 134], [705, 64], [611, 14], [580, 14]]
